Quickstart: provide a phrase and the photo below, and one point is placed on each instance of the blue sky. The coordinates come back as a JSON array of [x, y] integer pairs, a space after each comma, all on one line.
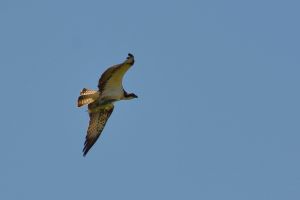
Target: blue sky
[[217, 115]]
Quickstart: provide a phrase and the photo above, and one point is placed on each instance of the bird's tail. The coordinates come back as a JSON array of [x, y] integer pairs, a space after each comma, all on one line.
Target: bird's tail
[[87, 96]]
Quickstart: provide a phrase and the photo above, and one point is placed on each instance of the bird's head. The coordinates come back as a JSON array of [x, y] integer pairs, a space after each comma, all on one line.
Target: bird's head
[[128, 96]]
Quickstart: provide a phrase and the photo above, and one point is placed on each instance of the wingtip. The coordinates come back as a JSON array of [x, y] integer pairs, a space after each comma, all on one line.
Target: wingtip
[[85, 151], [130, 55], [130, 59], [87, 147]]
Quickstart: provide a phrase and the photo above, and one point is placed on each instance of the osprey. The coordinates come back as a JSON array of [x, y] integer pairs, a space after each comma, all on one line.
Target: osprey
[[101, 102]]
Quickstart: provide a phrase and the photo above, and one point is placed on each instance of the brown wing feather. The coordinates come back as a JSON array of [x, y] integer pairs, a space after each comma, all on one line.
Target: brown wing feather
[[98, 119], [115, 73]]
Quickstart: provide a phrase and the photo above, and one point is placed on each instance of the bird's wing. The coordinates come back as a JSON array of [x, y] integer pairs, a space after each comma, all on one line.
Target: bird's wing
[[111, 79], [98, 119]]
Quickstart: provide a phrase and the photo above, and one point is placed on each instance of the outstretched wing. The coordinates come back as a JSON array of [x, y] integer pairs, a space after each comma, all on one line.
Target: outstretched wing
[[98, 119], [111, 79]]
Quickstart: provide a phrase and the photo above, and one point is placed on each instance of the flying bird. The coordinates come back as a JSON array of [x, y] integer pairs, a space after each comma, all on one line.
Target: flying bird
[[101, 102]]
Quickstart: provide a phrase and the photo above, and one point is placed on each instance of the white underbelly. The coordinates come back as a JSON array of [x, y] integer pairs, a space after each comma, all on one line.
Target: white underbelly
[[116, 93]]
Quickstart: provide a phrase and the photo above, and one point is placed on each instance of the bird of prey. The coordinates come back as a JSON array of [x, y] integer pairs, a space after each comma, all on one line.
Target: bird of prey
[[101, 102]]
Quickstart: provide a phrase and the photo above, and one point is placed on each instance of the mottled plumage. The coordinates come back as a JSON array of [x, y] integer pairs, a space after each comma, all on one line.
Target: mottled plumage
[[98, 119], [100, 103]]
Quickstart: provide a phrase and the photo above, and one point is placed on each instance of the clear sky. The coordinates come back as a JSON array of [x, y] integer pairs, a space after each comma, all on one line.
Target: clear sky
[[217, 115]]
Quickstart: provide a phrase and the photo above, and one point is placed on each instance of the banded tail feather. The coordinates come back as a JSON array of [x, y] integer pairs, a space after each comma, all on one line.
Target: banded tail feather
[[86, 91], [87, 96]]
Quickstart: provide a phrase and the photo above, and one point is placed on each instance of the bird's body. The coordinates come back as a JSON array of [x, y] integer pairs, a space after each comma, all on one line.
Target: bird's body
[[101, 102]]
